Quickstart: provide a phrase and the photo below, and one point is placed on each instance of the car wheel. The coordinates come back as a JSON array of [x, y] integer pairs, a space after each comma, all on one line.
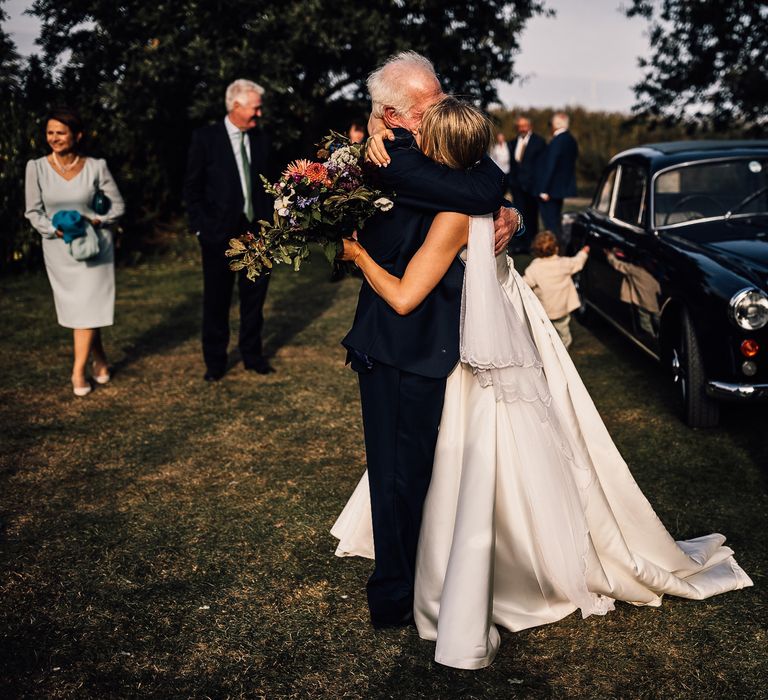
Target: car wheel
[[687, 369]]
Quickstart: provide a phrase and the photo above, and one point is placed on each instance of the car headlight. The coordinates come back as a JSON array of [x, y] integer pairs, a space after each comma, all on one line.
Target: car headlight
[[749, 309]]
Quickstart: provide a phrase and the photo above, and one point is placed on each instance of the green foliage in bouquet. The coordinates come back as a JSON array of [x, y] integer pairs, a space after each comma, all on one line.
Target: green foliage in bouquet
[[315, 202]]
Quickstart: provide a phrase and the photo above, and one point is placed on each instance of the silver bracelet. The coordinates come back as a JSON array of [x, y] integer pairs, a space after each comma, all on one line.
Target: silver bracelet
[[519, 220]]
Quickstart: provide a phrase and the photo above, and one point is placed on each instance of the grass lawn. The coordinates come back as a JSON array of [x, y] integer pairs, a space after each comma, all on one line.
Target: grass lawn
[[168, 538]]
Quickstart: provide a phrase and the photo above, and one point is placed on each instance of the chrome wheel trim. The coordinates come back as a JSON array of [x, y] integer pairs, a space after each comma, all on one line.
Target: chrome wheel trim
[[678, 373]]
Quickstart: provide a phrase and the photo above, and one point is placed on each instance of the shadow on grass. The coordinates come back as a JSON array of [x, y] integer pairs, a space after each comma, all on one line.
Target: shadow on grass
[[743, 422], [297, 304], [179, 324], [414, 664]]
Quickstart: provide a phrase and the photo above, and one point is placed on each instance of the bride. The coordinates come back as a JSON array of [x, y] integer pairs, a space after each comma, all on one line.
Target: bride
[[531, 512]]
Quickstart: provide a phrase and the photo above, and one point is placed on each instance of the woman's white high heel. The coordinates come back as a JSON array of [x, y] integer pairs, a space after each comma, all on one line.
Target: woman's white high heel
[[101, 378], [82, 390]]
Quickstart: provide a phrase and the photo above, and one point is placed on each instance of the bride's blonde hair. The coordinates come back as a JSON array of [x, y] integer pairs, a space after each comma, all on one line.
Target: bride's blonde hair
[[455, 133]]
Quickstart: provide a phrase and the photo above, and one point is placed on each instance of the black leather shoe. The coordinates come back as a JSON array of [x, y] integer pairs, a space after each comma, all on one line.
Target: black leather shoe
[[260, 365], [380, 622], [211, 376]]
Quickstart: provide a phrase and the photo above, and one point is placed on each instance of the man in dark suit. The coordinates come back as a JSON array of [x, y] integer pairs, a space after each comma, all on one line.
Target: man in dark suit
[[224, 197], [403, 361], [557, 173], [524, 153]]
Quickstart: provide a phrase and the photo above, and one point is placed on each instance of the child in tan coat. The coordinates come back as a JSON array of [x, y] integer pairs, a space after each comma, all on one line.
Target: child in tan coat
[[549, 276]]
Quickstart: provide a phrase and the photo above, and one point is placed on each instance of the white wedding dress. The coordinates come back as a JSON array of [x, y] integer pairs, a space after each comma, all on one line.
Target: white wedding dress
[[531, 512]]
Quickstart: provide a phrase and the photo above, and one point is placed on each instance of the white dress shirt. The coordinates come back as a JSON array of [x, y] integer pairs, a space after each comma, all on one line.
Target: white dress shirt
[[522, 142], [235, 137]]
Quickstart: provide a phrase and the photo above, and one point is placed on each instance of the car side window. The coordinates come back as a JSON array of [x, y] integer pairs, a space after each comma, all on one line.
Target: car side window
[[630, 198], [602, 201]]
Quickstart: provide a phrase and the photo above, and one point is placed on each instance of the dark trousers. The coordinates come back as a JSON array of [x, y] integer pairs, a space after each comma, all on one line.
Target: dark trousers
[[401, 415], [218, 282], [551, 215], [528, 204]]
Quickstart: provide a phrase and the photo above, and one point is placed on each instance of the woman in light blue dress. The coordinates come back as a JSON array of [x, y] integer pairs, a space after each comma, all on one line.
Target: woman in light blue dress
[[83, 290]]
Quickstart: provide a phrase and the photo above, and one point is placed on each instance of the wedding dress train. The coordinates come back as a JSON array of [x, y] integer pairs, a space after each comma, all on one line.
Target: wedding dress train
[[531, 511]]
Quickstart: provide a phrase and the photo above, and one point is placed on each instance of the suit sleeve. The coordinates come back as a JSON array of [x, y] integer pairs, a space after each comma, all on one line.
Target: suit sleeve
[[424, 184], [548, 158], [194, 182], [271, 171]]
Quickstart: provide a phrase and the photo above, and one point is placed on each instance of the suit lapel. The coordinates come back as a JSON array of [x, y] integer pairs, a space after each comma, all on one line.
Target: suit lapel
[[257, 154], [228, 154]]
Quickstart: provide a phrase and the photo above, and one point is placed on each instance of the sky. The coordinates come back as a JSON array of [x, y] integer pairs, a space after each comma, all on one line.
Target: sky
[[586, 55]]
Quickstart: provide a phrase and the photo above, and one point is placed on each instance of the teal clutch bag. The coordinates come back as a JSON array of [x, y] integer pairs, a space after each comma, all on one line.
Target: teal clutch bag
[[101, 203]]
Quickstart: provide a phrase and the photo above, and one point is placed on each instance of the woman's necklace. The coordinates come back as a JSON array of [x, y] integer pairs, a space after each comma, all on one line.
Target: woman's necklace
[[61, 166]]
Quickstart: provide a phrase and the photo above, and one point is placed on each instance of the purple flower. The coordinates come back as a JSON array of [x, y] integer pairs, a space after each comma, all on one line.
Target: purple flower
[[304, 202]]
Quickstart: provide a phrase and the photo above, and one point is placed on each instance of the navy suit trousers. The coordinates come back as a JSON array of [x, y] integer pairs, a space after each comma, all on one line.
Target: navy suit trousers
[[401, 416], [218, 283], [551, 215]]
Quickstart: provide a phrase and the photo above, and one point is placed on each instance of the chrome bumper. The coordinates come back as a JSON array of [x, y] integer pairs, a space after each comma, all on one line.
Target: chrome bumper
[[726, 390]]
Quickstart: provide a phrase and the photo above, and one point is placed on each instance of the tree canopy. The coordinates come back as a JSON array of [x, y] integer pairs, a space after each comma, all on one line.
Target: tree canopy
[[148, 72], [9, 59], [144, 75], [708, 61]]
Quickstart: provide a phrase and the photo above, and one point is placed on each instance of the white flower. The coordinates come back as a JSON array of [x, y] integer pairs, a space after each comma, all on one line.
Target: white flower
[[282, 204], [343, 156], [383, 203]]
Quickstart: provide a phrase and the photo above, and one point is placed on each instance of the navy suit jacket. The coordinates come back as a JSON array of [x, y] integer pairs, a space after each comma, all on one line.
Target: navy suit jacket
[[425, 341], [212, 189], [557, 167], [523, 174]]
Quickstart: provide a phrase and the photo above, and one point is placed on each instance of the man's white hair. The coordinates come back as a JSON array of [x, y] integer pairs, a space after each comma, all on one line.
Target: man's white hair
[[238, 89], [560, 120], [400, 81]]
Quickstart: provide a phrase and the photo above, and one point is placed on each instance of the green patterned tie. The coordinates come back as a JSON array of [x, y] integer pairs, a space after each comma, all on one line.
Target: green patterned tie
[[247, 171]]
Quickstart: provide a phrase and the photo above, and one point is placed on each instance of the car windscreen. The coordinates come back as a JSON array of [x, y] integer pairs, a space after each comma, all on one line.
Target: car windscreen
[[711, 189]]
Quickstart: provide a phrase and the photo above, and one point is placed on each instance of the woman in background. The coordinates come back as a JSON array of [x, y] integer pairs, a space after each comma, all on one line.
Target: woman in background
[[83, 290]]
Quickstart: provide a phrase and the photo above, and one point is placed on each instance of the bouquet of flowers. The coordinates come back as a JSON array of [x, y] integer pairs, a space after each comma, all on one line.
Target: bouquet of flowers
[[315, 202]]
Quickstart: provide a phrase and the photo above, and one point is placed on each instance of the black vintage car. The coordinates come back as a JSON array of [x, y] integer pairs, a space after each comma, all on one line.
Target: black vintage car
[[679, 263]]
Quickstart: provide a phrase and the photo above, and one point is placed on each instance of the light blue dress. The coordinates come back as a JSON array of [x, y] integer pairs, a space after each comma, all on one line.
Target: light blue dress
[[83, 291]]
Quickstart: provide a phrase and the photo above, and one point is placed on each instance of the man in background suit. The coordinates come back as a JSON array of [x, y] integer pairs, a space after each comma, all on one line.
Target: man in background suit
[[224, 197], [524, 152], [557, 173]]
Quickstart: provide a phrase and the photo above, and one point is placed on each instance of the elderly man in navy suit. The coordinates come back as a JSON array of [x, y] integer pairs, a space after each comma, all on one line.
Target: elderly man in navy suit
[[525, 152], [557, 173], [224, 198], [403, 361]]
